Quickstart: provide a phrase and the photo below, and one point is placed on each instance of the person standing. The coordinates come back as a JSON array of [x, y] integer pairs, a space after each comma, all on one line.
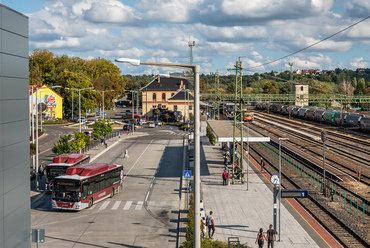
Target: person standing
[[262, 165], [271, 237], [260, 238], [202, 225], [211, 224], [41, 171], [225, 176]]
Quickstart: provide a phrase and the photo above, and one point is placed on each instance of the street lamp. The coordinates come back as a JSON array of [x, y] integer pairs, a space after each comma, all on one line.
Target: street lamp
[[195, 70], [37, 132], [102, 91], [79, 102], [280, 139]]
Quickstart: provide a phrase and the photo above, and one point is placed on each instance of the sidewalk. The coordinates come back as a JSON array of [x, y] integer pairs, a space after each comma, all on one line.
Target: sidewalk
[[242, 213], [94, 153]]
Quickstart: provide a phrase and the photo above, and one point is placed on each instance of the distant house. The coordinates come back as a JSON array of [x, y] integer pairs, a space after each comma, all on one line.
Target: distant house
[[297, 72], [167, 94], [361, 70]]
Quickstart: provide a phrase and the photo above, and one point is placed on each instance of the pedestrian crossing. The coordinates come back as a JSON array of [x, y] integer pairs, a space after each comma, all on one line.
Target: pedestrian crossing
[[122, 205], [168, 133], [135, 206]]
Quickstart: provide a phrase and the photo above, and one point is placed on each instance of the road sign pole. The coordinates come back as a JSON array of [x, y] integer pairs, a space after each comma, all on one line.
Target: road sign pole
[[275, 206]]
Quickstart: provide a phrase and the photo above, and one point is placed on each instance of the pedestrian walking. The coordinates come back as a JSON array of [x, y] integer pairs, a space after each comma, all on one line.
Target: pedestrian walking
[[262, 164], [210, 222], [41, 171], [225, 176], [202, 225], [260, 238], [226, 160], [102, 141], [271, 237], [106, 143]]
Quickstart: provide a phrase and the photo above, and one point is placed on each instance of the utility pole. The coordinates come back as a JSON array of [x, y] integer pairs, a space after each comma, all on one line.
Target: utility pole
[[238, 115], [291, 87], [217, 96], [191, 44]]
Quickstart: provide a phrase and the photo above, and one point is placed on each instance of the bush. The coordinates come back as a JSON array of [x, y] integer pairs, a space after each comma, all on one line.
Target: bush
[[211, 136]]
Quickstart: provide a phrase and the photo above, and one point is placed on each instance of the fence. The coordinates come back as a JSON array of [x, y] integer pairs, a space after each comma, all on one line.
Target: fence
[[346, 199], [96, 143]]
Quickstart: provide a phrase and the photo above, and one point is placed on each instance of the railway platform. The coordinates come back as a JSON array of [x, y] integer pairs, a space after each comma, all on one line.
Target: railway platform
[[239, 212]]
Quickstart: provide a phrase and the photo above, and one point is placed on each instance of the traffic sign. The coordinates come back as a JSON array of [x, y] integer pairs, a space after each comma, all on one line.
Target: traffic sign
[[187, 173], [294, 193]]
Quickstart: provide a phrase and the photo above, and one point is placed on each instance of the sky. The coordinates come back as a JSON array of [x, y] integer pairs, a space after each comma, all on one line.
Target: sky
[[257, 31]]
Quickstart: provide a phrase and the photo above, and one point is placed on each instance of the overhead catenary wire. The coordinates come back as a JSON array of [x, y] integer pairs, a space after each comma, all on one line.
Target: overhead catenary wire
[[314, 44]]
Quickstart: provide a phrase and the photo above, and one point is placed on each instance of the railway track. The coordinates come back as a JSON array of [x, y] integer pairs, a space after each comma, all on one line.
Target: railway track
[[334, 162], [335, 226]]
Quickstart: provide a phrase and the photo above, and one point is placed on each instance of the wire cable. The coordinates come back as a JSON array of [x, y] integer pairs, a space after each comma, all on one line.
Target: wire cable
[[314, 44]]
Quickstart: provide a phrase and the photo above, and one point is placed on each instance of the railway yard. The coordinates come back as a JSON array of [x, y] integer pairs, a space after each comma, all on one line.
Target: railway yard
[[343, 206]]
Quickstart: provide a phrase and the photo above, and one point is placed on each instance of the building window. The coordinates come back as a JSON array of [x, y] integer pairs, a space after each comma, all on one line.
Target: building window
[[163, 96], [163, 106], [301, 88], [154, 97], [154, 107], [190, 107], [174, 107], [172, 94]]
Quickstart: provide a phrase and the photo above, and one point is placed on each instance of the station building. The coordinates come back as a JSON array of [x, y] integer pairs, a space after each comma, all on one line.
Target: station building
[[50, 102], [173, 94]]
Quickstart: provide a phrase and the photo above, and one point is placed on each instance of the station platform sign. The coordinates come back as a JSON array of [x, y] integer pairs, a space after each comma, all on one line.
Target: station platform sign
[[294, 193]]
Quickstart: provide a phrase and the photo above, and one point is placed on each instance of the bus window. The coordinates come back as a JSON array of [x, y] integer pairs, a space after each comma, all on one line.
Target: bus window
[[85, 190]]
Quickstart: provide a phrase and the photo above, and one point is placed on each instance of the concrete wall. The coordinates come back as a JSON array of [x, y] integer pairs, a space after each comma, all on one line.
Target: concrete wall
[[15, 214], [301, 91]]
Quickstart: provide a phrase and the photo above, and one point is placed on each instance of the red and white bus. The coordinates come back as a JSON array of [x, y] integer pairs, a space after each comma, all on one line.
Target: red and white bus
[[85, 185], [60, 165]]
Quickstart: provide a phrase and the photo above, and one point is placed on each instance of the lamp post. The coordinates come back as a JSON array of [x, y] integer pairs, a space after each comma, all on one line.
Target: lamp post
[[195, 69], [79, 102], [102, 91], [37, 132], [280, 139]]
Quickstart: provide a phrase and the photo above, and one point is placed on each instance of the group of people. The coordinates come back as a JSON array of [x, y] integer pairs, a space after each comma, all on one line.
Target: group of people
[[237, 171], [270, 237], [210, 223], [104, 141]]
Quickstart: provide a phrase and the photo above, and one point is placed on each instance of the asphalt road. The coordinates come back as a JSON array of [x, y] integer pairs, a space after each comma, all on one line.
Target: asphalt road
[[143, 214]]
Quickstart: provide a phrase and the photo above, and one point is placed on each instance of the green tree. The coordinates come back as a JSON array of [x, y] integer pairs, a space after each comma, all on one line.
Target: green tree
[[63, 145], [270, 87], [102, 128], [354, 82], [79, 141], [157, 112], [360, 87]]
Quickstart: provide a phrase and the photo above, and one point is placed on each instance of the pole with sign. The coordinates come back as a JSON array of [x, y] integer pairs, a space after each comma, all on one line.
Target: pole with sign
[[38, 235], [275, 181]]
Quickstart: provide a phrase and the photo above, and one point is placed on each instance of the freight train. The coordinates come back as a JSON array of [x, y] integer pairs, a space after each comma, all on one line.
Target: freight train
[[330, 116]]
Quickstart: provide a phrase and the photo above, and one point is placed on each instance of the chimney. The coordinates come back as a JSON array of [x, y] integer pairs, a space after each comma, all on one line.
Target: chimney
[[159, 79]]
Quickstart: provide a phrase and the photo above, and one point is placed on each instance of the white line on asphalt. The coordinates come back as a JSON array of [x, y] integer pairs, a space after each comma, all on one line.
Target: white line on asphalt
[[45, 151], [127, 205], [138, 159], [151, 204], [116, 205], [104, 205], [163, 205], [139, 205], [104, 151]]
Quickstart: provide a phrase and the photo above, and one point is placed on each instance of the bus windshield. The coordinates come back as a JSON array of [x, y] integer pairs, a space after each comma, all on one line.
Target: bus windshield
[[66, 190], [54, 171]]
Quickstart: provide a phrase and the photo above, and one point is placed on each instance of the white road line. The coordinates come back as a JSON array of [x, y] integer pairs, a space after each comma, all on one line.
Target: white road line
[[163, 204], [127, 205], [139, 205], [151, 204], [104, 205], [138, 159], [104, 151], [116, 205]]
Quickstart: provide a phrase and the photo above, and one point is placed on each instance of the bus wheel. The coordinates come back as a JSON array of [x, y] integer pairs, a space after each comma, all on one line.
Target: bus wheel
[[90, 202], [112, 193]]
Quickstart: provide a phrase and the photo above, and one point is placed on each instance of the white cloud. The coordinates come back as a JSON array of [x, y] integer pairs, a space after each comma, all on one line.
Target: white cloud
[[111, 12], [358, 63]]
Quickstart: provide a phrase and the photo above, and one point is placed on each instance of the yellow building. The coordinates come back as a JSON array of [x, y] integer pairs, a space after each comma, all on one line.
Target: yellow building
[[50, 102], [171, 94]]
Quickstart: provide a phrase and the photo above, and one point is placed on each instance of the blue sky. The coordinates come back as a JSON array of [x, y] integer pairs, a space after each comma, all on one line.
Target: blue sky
[[223, 30]]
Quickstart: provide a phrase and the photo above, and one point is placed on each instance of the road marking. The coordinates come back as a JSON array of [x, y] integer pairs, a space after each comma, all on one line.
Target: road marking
[[139, 205], [104, 205], [151, 204], [127, 205], [104, 151], [138, 159], [116, 205]]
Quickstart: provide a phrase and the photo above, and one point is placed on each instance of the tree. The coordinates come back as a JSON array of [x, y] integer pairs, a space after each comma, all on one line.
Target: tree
[[270, 87], [157, 112], [360, 88], [102, 128], [79, 141], [354, 82], [167, 116], [63, 145]]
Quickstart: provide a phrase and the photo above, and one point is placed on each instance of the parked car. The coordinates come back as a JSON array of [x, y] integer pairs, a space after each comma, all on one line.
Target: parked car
[[152, 124], [128, 127], [158, 123]]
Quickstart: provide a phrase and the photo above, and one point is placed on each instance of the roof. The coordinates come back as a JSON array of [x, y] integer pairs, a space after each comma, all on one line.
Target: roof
[[69, 158], [167, 84], [182, 95], [91, 169]]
